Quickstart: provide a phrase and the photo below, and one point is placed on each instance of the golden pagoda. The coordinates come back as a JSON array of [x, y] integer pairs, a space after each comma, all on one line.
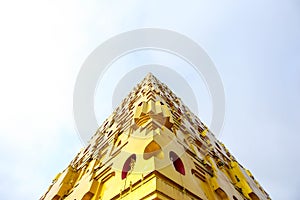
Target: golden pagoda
[[154, 147]]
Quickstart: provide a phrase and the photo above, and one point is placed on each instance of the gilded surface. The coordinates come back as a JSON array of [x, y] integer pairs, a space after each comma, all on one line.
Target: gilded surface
[[154, 147]]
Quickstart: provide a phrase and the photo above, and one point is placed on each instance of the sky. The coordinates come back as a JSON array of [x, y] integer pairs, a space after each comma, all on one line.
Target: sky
[[254, 45]]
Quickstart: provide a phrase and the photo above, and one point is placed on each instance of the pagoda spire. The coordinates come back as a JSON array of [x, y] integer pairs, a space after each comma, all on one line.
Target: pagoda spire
[[153, 147]]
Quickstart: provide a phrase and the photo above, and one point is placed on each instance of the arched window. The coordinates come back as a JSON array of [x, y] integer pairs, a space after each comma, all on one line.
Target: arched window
[[128, 166], [177, 163]]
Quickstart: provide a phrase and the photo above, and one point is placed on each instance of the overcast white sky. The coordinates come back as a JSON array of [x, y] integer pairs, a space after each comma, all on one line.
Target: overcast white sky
[[255, 46]]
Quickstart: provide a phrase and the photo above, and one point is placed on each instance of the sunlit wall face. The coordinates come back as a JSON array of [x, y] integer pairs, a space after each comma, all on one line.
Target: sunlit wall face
[[254, 45]]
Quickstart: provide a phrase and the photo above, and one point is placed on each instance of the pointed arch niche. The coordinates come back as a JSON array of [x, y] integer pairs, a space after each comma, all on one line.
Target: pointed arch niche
[[177, 162], [153, 149], [128, 165]]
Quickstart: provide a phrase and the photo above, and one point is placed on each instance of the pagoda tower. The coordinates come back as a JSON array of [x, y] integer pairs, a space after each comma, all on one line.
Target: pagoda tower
[[153, 147]]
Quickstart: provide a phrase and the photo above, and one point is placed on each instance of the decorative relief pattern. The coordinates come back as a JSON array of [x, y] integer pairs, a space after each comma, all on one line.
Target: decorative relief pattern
[[154, 147]]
